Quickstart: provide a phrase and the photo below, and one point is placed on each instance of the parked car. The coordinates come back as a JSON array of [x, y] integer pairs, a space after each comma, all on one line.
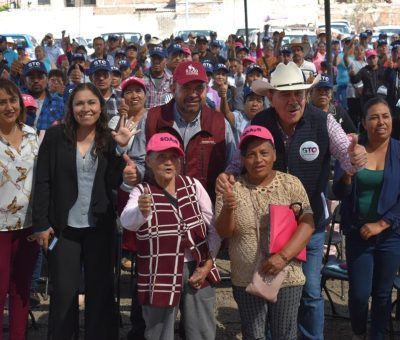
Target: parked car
[[289, 36], [389, 30], [129, 37], [184, 34], [343, 28], [23, 39]]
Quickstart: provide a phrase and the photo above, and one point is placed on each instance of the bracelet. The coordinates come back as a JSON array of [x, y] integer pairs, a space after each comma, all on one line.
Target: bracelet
[[284, 258]]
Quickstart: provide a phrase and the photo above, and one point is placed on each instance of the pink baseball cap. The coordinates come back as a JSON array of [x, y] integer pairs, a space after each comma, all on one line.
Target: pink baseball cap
[[188, 71], [164, 141], [132, 80], [370, 53], [29, 101], [248, 59], [238, 44], [187, 51], [256, 131]]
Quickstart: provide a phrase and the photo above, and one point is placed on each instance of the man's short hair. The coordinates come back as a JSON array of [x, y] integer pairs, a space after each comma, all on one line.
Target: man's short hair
[[58, 73]]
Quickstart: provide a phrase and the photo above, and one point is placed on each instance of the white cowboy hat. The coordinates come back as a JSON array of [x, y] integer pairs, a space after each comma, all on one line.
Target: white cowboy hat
[[285, 78], [297, 42]]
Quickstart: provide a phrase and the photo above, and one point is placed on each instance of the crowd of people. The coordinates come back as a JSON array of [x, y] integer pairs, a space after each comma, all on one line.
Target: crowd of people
[[189, 143]]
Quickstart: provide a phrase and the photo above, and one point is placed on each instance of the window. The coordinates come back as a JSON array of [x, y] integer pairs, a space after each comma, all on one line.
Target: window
[[43, 2]]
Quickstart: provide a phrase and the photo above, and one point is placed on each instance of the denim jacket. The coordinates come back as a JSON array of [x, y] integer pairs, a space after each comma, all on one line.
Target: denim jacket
[[389, 199]]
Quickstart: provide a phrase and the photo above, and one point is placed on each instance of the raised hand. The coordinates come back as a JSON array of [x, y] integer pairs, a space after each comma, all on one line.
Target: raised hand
[[357, 152], [125, 130], [229, 198], [123, 107], [223, 90], [144, 202], [130, 173]]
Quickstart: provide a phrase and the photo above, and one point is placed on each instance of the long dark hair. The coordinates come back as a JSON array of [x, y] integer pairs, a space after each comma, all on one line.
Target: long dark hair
[[71, 126], [10, 88]]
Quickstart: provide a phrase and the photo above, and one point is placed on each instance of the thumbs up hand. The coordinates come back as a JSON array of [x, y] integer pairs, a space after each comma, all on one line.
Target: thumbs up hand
[[357, 152], [130, 173], [123, 107], [229, 198], [144, 202]]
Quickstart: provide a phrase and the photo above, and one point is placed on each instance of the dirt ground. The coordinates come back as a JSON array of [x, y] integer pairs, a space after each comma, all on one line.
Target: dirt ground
[[228, 324]]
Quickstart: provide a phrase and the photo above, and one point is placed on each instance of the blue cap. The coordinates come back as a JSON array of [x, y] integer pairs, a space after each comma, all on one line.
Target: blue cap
[[34, 65], [244, 48], [247, 91], [115, 69], [2, 39], [78, 56], [99, 65], [266, 38], [254, 67], [382, 42], [285, 50], [159, 51], [120, 51], [124, 64], [178, 38], [113, 37], [174, 48], [382, 35], [220, 67], [363, 35], [20, 47], [202, 38], [325, 82], [208, 66], [214, 43], [369, 32], [395, 45]]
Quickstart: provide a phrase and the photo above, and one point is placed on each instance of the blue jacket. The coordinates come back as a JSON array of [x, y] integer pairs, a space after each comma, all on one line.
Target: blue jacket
[[389, 199]]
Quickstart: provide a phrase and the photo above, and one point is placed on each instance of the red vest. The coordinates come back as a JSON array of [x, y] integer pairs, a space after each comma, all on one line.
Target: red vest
[[162, 241], [205, 152]]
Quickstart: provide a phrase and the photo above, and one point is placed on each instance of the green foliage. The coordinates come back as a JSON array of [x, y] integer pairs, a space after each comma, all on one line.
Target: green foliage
[[4, 7]]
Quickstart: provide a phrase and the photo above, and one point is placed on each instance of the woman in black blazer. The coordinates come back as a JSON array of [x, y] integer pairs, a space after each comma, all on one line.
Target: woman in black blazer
[[73, 213]]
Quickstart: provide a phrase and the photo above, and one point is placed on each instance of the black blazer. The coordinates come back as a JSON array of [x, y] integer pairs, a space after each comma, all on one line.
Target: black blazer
[[56, 186]]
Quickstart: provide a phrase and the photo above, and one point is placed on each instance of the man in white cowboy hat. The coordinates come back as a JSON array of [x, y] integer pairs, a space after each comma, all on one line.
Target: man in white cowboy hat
[[300, 50], [305, 138]]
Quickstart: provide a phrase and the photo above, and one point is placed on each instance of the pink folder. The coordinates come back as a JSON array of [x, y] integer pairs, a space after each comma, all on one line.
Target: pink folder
[[283, 225]]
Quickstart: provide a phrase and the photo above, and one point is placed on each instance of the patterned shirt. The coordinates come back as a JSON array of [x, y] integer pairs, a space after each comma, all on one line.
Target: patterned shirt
[[157, 95], [113, 103], [16, 177], [51, 113]]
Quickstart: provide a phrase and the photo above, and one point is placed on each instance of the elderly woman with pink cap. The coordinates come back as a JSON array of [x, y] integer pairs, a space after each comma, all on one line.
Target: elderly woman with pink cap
[[176, 245], [243, 214]]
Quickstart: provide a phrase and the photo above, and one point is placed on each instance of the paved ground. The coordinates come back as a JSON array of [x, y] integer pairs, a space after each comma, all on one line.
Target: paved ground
[[228, 325]]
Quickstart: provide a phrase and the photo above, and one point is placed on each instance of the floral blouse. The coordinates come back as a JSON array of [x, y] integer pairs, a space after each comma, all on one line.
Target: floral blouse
[[16, 178]]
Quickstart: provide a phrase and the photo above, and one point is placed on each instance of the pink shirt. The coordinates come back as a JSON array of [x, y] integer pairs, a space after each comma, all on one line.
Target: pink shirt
[[318, 60]]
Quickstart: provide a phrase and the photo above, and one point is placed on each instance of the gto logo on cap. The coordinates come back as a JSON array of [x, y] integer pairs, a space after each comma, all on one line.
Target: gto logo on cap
[[192, 71], [309, 151]]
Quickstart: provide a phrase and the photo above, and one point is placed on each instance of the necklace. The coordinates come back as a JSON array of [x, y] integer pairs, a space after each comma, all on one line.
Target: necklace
[[10, 139]]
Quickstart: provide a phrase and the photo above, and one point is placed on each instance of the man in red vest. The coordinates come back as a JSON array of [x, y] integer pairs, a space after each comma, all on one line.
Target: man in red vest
[[204, 134]]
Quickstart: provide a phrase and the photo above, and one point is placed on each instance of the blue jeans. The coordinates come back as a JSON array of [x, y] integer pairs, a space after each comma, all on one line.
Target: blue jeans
[[37, 271], [311, 311], [372, 266]]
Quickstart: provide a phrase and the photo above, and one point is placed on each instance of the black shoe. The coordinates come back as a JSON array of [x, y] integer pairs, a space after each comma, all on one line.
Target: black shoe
[[34, 299]]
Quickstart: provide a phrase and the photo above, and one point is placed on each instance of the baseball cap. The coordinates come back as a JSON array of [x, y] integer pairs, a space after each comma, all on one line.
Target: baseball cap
[[370, 53], [395, 45], [256, 131], [238, 44], [2, 39], [363, 35], [382, 42], [215, 43], [325, 82], [247, 91], [208, 66], [201, 38], [243, 48], [187, 51], [220, 67], [188, 71], [382, 35], [113, 37], [164, 141], [29, 101], [120, 51], [34, 65], [49, 35], [248, 59], [174, 48], [369, 32], [159, 51], [131, 47], [285, 50], [99, 65], [20, 47], [130, 81], [115, 70], [78, 56], [253, 67], [124, 64], [266, 38], [178, 38]]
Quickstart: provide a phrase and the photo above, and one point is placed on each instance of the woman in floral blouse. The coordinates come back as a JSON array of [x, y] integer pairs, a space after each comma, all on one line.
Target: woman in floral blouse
[[18, 151]]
